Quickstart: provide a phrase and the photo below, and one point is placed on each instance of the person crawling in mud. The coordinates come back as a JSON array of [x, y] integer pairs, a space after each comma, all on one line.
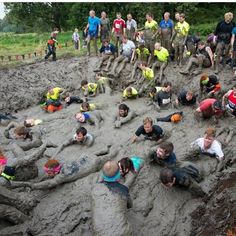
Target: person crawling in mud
[[229, 101], [174, 117], [22, 138], [89, 89], [123, 115], [208, 108], [113, 196], [186, 98], [207, 145], [163, 155], [11, 170], [85, 107], [92, 118], [186, 177], [72, 99], [81, 137], [163, 97], [59, 173], [103, 83], [129, 93], [149, 131]]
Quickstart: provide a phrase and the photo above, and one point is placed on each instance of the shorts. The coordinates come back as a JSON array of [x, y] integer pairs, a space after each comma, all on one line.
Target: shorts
[[92, 34]]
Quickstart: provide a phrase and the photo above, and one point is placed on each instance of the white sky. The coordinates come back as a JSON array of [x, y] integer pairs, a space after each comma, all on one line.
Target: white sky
[[2, 14]]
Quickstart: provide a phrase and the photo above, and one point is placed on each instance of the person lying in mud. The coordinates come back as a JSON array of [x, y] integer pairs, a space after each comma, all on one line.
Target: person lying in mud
[[113, 196], [92, 118], [123, 116], [103, 83], [174, 117], [13, 205], [72, 99], [23, 138], [85, 107], [5, 119], [12, 168], [89, 89], [208, 108], [149, 131], [186, 177], [163, 97], [59, 173], [81, 137], [163, 154], [129, 93], [129, 167], [209, 85], [186, 98], [207, 145]]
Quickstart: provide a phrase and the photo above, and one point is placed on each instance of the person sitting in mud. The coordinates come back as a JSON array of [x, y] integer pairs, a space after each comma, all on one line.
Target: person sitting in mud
[[103, 83], [53, 102], [163, 97], [210, 84], [208, 108], [163, 155], [14, 169], [206, 145], [174, 117], [186, 177], [191, 44], [85, 107], [230, 96], [81, 137], [202, 58], [127, 51], [141, 55], [161, 55], [59, 173], [186, 98], [6, 119], [89, 88], [107, 51], [24, 138], [91, 118], [110, 194], [72, 99], [123, 116], [147, 78], [130, 93], [149, 131]]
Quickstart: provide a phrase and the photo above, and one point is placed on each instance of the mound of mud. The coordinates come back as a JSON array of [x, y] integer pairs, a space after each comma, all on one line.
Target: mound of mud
[[67, 209]]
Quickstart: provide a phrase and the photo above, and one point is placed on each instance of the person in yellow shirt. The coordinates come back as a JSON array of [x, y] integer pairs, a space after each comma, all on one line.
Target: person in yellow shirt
[[162, 55], [89, 88], [179, 38], [141, 55], [130, 92], [54, 93], [147, 78], [103, 83]]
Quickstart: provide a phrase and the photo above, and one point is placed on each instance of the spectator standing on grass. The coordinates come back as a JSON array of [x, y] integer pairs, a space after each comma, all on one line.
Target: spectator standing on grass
[[76, 39]]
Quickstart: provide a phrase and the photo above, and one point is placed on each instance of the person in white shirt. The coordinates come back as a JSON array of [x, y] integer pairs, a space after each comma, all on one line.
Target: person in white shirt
[[131, 27], [76, 39]]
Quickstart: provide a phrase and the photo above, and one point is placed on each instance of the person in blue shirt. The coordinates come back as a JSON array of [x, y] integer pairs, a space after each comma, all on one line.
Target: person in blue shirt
[[163, 155], [107, 51], [166, 30], [93, 29], [233, 48]]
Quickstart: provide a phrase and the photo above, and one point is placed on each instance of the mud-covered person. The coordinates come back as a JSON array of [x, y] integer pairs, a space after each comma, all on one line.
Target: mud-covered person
[[163, 155], [186, 98], [148, 131], [89, 89], [124, 115], [81, 137]]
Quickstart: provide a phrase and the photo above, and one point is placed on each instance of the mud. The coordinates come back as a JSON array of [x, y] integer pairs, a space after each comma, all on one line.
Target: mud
[[68, 209]]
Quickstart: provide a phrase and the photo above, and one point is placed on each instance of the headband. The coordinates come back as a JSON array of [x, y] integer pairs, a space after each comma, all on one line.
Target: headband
[[55, 169], [3, 161], [113, 178]]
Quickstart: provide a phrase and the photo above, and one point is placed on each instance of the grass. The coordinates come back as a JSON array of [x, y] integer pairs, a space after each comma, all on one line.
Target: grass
[[22, 44]]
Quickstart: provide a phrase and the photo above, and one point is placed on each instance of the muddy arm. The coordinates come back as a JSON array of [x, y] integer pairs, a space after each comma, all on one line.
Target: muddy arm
[[9, 127], [129, 117], [66, 144], [49, 119]]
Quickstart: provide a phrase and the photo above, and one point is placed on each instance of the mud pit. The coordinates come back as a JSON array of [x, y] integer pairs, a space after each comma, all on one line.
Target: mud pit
[[67, 209]]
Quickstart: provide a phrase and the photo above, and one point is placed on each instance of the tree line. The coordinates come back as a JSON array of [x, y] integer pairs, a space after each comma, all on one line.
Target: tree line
[[42, 17]]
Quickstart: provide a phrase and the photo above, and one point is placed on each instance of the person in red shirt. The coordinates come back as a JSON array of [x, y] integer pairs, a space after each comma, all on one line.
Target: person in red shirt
[[230, 99], [208, 108], [118, 29]]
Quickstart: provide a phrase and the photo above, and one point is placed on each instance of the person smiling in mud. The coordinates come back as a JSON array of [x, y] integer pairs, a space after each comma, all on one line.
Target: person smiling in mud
[[81, 137], [149, 131]]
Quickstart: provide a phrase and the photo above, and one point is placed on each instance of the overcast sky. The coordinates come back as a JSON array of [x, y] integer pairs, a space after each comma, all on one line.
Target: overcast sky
[[2, 14]]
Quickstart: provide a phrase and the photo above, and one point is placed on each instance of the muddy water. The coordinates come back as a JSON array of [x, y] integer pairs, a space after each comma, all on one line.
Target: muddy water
[[67, 209]]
